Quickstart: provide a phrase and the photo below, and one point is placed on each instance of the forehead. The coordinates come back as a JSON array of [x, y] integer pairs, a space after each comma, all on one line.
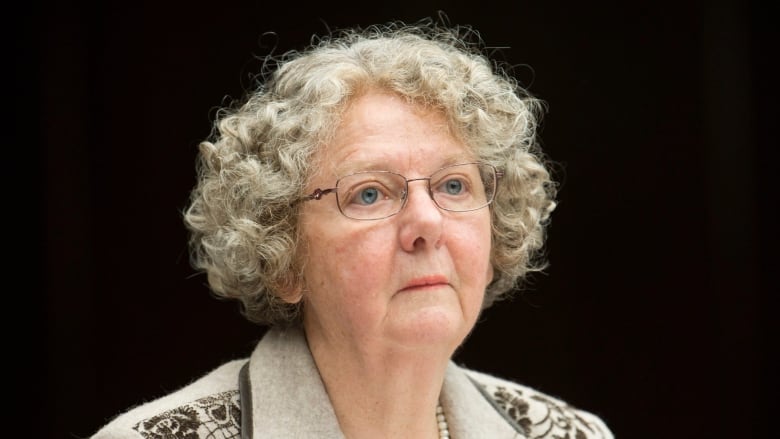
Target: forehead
[[383, 131]]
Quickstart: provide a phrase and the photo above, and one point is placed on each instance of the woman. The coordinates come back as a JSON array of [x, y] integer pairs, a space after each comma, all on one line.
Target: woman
[[366, 203]]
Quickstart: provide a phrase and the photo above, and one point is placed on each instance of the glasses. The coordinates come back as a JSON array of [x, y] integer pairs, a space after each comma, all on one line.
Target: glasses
[[375, 195]]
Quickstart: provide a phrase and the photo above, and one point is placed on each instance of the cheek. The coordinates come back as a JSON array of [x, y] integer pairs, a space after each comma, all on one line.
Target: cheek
[[364, 261], [479, 232], [350, 287], [473, 258], [353, 261]]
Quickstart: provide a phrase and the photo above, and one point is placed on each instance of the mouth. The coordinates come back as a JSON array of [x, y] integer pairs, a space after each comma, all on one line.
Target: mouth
[[425, 282]]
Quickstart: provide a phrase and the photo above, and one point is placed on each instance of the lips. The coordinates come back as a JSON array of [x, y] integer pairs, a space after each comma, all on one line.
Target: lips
[[426, 282]]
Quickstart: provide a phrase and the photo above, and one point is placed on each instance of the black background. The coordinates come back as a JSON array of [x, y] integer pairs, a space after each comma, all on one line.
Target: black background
[[655, 312]]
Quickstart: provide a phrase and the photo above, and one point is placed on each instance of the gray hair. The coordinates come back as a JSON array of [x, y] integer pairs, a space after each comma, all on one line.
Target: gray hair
[[243, 215]]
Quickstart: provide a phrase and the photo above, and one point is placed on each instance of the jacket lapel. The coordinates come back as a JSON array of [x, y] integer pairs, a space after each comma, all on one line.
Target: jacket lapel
[[283, 394], [287, 395], [469, 414]]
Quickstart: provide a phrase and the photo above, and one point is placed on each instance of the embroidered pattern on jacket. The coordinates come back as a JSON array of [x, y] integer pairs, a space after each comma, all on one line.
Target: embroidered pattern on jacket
[[540, 416], [214, 417]]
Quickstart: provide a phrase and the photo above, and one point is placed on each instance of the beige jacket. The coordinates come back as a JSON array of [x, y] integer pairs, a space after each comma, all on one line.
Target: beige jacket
[[278, 393]]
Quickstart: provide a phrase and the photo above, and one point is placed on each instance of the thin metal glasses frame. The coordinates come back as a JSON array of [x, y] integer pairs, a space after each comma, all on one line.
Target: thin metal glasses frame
[[318, 193]]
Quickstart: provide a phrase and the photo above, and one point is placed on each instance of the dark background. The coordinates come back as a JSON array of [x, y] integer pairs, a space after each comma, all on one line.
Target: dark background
[[655, 312]]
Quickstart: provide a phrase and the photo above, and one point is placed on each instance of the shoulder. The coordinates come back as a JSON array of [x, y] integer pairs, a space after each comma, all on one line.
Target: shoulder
[[536, 414], [207, 407]]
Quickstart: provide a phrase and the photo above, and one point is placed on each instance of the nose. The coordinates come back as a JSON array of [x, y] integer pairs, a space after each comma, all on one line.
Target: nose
[[421, 220]]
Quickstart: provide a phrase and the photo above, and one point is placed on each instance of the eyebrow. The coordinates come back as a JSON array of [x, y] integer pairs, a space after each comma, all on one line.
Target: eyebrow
[[381, 164]]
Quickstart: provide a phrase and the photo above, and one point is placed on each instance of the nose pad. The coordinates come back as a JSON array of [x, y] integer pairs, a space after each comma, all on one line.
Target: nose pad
[[405, 194]]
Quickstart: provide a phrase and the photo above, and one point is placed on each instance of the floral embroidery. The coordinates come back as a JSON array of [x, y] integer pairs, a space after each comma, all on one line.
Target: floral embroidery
[[540, 416], [214, 417], [515, 407]]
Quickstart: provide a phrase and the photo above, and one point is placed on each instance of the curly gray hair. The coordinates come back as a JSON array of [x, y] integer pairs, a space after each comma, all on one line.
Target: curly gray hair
[[242, 215]]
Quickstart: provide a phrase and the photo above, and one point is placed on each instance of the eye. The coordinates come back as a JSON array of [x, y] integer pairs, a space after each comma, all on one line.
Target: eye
[[366, 193], [366, 196], [369, 195], [453, 186]]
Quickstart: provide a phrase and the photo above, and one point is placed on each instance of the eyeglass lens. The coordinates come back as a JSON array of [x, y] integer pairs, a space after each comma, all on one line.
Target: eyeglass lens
[[379, 194]]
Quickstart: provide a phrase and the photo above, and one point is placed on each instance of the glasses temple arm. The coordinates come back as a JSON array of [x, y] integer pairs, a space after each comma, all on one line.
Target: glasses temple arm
[[318, 193]]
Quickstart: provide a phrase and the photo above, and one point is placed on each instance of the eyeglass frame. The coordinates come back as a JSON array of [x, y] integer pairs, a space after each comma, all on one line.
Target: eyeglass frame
[[318, 193]]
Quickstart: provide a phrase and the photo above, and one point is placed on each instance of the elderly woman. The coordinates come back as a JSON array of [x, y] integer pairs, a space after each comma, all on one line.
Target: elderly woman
[[374, 195]]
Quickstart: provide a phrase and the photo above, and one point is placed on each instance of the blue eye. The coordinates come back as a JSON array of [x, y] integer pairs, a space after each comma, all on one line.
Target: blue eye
[[453, 186], [368, 195]]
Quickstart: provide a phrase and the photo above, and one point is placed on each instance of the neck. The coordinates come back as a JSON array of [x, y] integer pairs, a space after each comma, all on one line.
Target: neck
[[385, 392]]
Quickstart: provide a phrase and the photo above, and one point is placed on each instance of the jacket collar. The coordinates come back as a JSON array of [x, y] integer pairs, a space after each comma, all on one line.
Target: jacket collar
[[283, 396]]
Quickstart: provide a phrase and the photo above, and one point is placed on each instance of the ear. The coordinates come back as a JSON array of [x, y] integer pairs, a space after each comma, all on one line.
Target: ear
[[292, 297], [289, 290]]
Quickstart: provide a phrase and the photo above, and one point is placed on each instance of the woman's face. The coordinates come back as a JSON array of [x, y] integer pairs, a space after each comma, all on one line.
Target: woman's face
[[414, 279]]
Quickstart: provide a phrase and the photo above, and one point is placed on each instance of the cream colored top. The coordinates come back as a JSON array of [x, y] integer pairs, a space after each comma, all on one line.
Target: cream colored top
[[280, 395]]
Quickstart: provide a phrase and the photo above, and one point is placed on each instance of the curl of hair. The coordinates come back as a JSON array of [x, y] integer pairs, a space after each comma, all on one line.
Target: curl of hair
[[242, 215]]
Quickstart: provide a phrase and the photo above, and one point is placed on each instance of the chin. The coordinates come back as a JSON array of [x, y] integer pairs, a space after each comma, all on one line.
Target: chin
[[430, 328]]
